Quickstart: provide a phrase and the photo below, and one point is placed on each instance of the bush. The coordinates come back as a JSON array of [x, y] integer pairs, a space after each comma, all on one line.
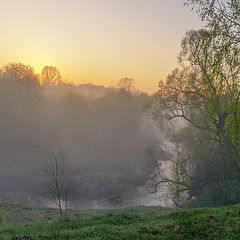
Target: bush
[[219, 194]]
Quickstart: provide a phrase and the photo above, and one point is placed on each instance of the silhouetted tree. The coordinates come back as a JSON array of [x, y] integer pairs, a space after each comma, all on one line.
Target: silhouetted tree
[[126, 84], [50, 76], [22, 79]]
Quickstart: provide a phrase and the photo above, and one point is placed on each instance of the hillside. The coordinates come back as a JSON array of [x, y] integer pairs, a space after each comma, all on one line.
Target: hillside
[[143, 223]]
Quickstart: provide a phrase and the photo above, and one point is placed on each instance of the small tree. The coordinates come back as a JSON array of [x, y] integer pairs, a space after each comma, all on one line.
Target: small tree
[[54, 166], [178, 185]]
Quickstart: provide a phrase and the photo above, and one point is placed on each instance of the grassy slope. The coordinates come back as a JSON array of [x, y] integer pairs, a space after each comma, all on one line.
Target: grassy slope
[[131, 223]]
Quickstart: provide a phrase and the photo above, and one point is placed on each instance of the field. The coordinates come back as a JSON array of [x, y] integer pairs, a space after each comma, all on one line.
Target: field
[[138, 223]]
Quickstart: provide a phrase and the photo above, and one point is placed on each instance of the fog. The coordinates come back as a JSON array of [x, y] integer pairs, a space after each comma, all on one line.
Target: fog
[[110, 149]]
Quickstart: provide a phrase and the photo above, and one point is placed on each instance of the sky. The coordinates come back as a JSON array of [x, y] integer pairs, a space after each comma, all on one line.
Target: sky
[[96, 41]]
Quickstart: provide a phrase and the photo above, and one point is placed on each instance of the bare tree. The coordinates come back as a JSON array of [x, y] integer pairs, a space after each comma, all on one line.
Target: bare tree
[[50, 76], [55, 167], [126, 84]]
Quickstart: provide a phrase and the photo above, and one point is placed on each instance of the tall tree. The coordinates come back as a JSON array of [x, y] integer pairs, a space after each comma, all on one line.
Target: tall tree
[[204, 90], [223, 24]]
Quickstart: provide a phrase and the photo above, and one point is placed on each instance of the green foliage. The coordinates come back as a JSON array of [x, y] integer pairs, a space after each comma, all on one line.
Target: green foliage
[[219, 194], [223, 25], [4, 217], [204, 92], [179, 183]]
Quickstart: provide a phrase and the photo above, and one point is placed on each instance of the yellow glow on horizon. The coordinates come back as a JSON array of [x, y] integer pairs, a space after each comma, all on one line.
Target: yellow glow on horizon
[[96, 41]]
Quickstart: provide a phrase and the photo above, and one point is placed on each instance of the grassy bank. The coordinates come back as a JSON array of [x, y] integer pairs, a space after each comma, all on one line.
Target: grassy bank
[[138, 223]]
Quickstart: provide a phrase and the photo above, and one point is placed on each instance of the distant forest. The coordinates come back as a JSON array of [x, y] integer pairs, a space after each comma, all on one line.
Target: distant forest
[[100, 130]]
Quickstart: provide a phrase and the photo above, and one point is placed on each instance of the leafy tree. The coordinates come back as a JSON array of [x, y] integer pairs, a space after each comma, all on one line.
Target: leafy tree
[[223, 24], [222, 18], [204, 90], [22, 80]]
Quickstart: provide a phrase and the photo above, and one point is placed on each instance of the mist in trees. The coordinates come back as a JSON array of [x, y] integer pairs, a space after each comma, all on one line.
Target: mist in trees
[[181, 143], [101, 132]]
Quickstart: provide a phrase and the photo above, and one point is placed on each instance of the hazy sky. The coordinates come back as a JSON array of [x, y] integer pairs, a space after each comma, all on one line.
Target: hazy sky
[[97, 41]]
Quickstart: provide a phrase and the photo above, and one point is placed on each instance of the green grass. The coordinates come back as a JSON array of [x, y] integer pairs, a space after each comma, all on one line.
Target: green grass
[[138, 223]]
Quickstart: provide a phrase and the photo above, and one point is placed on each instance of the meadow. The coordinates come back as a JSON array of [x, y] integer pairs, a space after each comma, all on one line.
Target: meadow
[[135, 223]]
